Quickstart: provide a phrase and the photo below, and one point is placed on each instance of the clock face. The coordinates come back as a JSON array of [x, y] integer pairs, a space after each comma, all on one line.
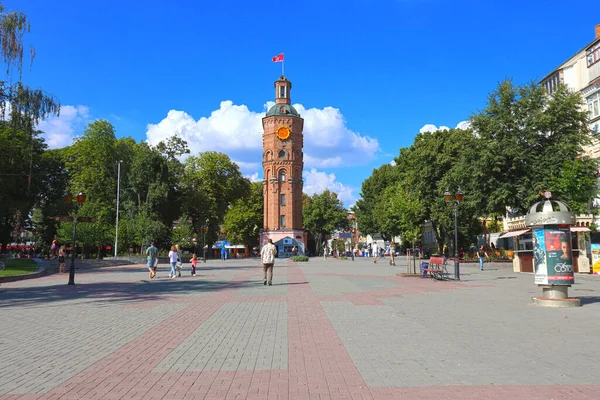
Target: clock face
[[283, 132]]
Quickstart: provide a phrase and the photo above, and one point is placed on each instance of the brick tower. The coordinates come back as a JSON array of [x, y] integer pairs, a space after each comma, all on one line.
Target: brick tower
[[282, 165]]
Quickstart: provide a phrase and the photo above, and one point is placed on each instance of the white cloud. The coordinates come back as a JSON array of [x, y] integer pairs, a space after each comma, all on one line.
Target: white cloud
[[318, 181], [433, 128], [59, 131], [254, 177], [464, 125], [237, 131]]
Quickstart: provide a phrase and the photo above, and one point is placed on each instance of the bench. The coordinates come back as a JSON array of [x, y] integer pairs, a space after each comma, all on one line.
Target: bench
[[436, 268]]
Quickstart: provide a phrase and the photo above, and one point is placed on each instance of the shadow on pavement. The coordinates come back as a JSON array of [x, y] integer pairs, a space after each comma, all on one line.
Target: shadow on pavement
[[589, 299], [104, 292]]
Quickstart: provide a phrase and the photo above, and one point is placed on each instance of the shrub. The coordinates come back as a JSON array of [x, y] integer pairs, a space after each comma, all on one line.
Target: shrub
[[300, 258]]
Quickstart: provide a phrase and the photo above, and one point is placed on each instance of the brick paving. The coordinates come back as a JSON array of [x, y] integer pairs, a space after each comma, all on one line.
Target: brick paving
[[325, 330]]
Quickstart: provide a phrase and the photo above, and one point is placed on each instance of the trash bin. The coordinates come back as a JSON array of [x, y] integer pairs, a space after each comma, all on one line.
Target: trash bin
[[424, 266]]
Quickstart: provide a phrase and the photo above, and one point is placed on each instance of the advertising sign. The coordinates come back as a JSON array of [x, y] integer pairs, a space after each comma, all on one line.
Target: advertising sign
[[539, 256], [596, 258], [559, 257]]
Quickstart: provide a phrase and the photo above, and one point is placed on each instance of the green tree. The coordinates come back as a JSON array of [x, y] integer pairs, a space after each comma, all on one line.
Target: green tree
[[440, 161], [183, 232], [20, 177], [210, 183], [92, 164], [324, 214], [576, 184], [244, 219], [527, 137], [368, 208]]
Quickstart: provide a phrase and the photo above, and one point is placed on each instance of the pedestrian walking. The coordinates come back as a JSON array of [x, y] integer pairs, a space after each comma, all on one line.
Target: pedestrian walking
[[393, 254], [482, 254], [53, 249], [325, 252], [375, 252], [223, 253], [194, 264], [152, 252], [179, 264], [61, 259], [173, 261], [267, 256]]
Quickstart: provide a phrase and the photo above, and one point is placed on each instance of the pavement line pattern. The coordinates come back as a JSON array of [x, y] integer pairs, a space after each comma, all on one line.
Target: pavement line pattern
[[229, 337]]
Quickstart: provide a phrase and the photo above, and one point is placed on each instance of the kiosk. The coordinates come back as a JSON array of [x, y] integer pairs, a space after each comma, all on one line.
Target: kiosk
[[550, 222]]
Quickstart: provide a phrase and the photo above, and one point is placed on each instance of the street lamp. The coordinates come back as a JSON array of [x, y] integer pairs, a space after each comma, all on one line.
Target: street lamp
[[79, 200], [117, 224], [458, 198], [204, 230]]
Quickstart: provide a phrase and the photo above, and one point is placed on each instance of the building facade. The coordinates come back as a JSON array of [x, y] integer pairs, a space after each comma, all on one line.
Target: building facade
[[282, 166], [581, 73]]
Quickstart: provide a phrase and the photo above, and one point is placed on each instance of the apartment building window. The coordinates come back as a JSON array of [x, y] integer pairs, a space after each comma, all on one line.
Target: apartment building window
[[594, 105], [282, 222], [593, 55], [282, 200], [551, 84]]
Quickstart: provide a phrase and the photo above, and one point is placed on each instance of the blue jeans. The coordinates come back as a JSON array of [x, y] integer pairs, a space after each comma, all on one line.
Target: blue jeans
[[481, 262], [173, 268]]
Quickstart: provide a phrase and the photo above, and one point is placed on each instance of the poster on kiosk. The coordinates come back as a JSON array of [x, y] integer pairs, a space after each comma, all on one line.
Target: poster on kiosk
[[553, 258]]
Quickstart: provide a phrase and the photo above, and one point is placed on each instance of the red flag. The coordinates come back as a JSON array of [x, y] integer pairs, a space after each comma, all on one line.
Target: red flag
[[278, 58]]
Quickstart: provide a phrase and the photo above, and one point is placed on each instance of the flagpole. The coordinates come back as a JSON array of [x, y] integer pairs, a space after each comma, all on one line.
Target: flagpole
[[282, 62]]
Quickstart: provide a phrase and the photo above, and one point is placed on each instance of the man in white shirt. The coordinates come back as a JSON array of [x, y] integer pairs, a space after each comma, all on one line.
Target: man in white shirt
[[267, 256], [375, 252]]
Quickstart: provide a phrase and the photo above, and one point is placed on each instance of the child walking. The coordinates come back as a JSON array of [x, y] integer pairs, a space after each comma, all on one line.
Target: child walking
[[194, 263]]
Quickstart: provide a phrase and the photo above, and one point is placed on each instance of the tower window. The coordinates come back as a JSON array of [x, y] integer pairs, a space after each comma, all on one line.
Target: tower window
[[282, 154], [282, 92], [282, 176], [282, 224], [282, 202]]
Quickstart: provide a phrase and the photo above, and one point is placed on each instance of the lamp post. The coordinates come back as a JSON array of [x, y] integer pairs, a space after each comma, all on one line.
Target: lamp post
[[458, 198], [204, 230], [117, 224], [79, 199]]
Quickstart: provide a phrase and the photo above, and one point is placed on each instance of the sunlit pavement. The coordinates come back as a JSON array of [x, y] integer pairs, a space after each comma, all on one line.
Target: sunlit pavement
[[333, 329]]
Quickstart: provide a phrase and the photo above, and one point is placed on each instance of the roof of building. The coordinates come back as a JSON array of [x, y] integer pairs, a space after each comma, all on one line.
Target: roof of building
[[282, 109], [580, 53]]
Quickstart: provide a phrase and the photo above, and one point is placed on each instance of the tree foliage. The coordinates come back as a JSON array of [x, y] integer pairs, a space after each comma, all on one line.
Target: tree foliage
[[323, 214], [244, 219], [522, 143]]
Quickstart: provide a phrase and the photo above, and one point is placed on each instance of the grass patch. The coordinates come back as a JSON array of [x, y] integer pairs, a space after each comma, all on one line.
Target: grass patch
[[18, 267], [300, 258]]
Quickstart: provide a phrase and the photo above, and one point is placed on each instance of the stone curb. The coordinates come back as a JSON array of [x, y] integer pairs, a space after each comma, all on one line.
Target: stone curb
[[40, 272]]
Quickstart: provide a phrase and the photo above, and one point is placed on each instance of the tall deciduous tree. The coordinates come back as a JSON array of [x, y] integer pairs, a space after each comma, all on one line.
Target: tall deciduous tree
[[528, 136], [211, 182], [244, 219], [368, 208], [324, 214]]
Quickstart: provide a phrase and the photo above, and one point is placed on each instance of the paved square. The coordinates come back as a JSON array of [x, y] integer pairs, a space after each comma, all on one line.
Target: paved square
[[333, 329]]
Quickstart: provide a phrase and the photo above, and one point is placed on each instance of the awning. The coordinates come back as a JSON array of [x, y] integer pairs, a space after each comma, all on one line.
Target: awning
[[580, 229], [514, 233]]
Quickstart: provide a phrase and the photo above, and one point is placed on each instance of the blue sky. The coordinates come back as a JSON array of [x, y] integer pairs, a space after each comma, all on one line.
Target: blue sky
[[368, 75]]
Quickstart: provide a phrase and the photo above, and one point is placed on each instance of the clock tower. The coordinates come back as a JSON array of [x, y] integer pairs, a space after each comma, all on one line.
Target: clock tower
[[282, 165]]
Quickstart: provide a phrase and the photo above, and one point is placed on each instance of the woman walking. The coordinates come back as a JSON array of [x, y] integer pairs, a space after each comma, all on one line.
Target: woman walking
[[61, 259], [173, 260], [179, 264]]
